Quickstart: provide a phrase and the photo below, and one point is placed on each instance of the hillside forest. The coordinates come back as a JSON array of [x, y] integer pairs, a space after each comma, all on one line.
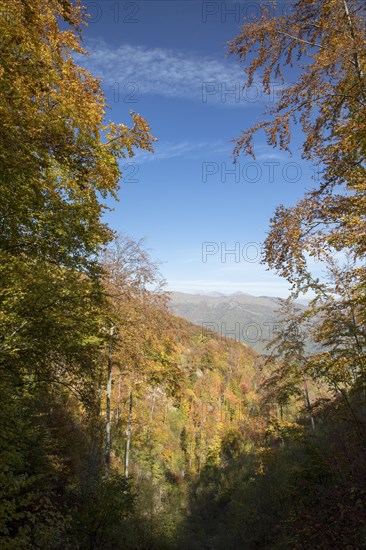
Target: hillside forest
[[122, 425]]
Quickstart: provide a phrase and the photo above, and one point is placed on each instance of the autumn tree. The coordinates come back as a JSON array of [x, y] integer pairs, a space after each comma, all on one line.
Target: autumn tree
[[340, 326], [58, 155], [58, 166], [323, 44], [325, 40], [138, 314], [287, 367], [58, 158]]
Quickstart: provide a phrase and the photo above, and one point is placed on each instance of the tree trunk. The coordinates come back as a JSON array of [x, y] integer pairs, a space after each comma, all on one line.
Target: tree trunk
[[118, 400], [128, 433], [308, 403], [151, 415], [356, 59], [108, 406]]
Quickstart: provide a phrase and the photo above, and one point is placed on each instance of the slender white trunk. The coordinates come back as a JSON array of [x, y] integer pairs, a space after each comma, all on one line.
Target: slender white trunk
[[128, 433], [100, 381], [118, 399], [108, 407], [356, 59], [151, 416]]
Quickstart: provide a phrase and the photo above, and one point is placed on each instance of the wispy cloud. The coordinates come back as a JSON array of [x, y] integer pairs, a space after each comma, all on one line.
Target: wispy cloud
[[170, 73], [191, 149], [271, 156]]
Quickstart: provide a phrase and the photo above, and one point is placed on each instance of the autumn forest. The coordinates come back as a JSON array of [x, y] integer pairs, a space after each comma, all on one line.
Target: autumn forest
[[124, 426]]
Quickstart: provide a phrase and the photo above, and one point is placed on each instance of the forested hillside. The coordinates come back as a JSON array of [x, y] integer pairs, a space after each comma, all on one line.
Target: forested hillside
[[123, 426], [248, 319]]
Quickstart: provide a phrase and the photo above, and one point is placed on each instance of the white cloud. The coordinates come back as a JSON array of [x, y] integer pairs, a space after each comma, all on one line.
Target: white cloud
[[271, 156], [192, 149], [139, 70]]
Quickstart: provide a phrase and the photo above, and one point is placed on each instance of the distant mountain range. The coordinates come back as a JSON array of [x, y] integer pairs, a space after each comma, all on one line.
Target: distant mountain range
[[216, 293], [243, 317]]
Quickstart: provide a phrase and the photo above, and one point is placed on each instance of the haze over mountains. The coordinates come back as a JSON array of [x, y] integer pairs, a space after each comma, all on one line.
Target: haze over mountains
[[247, 318]]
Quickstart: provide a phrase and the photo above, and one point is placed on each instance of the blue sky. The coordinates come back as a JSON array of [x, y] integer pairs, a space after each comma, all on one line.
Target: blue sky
[[167, 61]]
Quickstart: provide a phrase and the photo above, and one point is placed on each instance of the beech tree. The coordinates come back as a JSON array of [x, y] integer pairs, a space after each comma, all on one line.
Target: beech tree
[[137, 306], [58, 153], [340, 327], [288, 362], [58, 162], [325, 41], [322, 45], [58, 166]]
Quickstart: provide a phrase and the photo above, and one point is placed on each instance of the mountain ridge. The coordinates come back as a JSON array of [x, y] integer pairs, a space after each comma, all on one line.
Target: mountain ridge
[[246, 318]]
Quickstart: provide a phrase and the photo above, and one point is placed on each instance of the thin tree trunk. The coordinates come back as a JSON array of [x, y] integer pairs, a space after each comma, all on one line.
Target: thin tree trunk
[[100, 381], [308, 403], [151, 415], [108, 407], [95, 446], [118, 399], [128, 433], [356, 60]]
